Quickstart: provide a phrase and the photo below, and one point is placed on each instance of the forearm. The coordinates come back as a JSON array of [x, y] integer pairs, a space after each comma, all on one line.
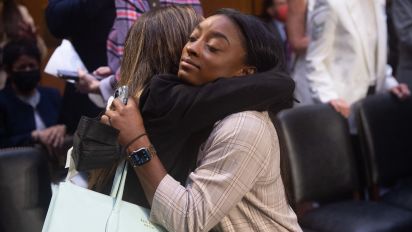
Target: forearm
[[151, 173], [296, 25]]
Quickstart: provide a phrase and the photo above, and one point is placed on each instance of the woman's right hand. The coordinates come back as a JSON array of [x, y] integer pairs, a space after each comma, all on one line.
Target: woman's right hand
[[126, 118]]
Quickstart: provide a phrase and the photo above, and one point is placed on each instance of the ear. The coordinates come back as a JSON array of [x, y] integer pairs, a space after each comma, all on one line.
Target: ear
[[248, 70]]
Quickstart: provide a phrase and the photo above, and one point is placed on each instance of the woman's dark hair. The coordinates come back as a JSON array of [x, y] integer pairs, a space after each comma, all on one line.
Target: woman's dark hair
[[150, 50], [13, 50], [264, 50]]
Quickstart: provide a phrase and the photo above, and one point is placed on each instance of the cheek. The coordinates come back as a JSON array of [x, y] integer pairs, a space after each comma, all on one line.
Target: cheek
[[226, 65]]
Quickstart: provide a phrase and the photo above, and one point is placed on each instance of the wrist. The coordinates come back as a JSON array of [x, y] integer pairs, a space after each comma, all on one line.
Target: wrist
[[139, 143]]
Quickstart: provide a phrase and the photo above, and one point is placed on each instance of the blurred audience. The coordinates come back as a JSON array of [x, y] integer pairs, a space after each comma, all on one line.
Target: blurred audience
[[17, 23], [402, 18], [347, 56], [28, 113], [87, 24], [274, 13], [127, 12], [298, 31]]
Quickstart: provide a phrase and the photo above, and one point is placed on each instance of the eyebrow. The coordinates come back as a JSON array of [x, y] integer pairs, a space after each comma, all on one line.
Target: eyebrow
[[215, 34]]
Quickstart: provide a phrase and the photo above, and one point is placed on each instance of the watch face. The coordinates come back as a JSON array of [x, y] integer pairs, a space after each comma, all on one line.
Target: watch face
[[140, 157]]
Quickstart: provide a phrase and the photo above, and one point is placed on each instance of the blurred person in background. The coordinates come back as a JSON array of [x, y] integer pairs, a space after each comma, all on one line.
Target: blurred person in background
[[86, 23], [347, 57], [274, 14], [393, 40], [402, 18], [16, 23], [296, 25], [127, 12], [28, 113], [298, 28]]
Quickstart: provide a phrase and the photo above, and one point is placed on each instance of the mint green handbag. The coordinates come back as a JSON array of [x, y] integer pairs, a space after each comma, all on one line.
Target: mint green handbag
[[76, 209]]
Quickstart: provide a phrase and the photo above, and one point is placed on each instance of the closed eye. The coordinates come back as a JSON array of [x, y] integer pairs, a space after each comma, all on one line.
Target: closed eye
[[212, 49], [192, 39]]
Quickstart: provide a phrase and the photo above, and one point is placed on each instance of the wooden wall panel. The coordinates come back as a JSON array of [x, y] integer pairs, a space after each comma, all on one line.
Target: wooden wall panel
[[246, 6]]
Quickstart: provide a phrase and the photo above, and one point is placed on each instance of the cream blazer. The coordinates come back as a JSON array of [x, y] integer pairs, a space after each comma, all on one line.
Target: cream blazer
[[336, 63]]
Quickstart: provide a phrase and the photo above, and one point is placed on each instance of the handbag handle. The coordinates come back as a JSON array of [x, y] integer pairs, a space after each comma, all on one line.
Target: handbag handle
[[119, 180], [121, 173], [112, 222], [120, 190]]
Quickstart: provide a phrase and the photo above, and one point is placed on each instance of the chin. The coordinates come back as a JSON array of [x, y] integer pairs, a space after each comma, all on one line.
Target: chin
[[186, 77]]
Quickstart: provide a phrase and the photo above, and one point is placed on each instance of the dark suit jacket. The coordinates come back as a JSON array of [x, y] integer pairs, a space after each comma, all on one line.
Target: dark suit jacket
[[17, 118], [402, 18], [86, 23]]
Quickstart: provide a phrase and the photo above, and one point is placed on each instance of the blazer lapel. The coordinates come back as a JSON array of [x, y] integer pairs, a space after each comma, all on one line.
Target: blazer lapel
[[355, 13]]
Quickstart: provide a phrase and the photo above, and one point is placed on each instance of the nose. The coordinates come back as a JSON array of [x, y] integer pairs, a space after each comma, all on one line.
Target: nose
[[193, 48]]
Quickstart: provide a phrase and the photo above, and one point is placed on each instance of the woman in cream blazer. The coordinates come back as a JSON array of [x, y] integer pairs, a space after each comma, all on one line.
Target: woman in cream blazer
[[341, 63]]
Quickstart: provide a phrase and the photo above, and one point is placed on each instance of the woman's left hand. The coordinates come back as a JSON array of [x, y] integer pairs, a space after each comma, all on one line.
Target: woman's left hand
[[126, 118]]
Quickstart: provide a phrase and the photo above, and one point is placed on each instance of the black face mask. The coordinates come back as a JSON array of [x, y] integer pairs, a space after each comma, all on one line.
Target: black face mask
[[26, 81]]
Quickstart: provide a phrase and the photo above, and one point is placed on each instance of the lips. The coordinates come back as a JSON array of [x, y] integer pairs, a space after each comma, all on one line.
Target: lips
[[188, 62]]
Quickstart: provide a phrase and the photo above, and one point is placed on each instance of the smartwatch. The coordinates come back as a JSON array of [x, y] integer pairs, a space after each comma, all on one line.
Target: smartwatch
[[141, 156]]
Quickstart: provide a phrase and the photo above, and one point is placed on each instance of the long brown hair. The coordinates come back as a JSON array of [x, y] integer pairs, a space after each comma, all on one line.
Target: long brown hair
[[153, 46]]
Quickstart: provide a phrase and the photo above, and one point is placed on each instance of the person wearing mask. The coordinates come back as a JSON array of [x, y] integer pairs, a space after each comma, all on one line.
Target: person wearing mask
[[86, 24], [28, 113], [347, 57], [16, 23], [237, 166], [402, 19], [127, 12]]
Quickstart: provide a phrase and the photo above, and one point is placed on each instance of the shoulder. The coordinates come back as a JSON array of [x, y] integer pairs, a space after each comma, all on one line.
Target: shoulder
[[48, 91], [248, 136], [49, 94], [248, 128], [245, 118]]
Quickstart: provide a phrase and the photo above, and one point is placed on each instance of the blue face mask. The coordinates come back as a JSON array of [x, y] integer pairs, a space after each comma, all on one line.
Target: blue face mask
[[26, 81]]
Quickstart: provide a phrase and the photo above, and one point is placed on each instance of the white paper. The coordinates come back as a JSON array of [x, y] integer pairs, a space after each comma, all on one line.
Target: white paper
[[97, 99], [66, 58]]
